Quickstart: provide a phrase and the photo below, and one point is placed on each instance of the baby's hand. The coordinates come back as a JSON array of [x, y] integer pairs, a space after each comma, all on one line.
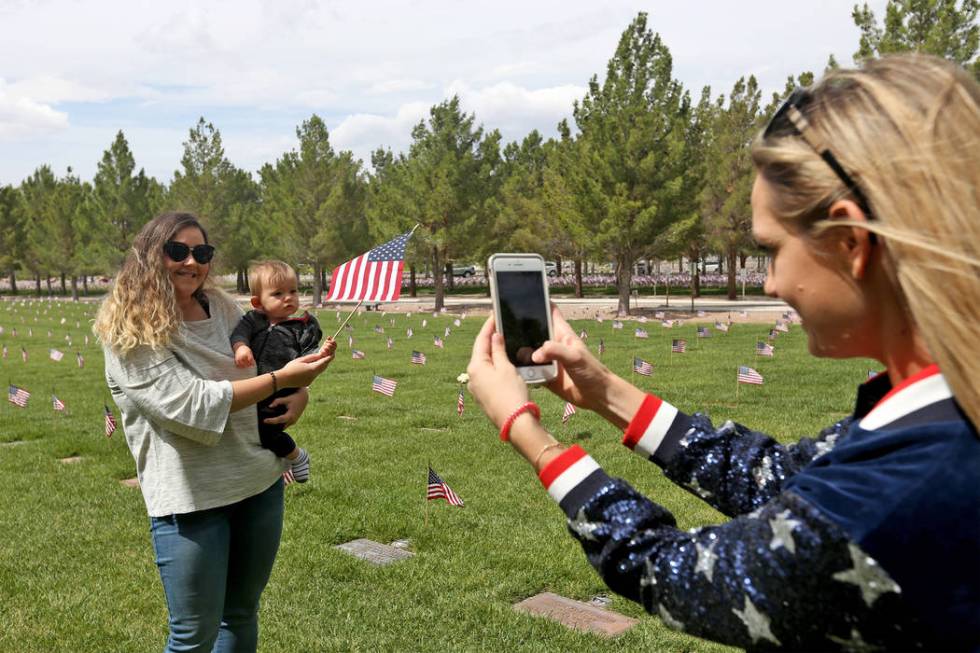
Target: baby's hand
[[328, 348], [244, 357]]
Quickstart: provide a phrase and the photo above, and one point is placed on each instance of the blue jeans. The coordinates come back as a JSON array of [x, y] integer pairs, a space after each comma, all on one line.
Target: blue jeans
[[214, 565]]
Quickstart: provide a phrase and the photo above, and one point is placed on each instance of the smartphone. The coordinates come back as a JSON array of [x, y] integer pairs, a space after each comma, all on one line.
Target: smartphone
[[519, 290]]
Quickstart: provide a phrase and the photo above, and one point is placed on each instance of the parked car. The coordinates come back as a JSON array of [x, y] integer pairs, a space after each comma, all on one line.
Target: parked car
[[464, 270], [551, 268]]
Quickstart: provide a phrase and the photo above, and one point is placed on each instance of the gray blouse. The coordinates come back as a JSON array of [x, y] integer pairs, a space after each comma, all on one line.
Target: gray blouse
[[191, 452]]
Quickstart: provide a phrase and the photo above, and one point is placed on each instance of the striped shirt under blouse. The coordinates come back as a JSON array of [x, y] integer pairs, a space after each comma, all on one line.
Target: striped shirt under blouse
[[865, 536]]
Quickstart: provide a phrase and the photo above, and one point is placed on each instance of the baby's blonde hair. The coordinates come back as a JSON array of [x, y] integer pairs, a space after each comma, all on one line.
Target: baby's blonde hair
[[907, 129], [269, 273]]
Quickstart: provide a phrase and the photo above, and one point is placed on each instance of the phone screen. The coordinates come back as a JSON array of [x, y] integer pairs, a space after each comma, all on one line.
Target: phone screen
[[523, 312]]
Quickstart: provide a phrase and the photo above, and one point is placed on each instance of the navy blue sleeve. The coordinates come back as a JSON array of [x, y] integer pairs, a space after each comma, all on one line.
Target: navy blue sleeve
[[781, 577], [245, 329], [731, 467]]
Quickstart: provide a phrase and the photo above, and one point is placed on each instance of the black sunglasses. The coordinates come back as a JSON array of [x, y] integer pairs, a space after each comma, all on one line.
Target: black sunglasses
[[789, 118], [178, 252]]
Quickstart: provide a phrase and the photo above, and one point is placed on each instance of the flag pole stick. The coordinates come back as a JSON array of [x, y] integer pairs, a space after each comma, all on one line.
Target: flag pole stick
[[426, 497], [337, 333]]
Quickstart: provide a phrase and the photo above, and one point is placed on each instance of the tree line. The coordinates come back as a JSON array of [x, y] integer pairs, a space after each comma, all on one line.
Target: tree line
[[646, 170]]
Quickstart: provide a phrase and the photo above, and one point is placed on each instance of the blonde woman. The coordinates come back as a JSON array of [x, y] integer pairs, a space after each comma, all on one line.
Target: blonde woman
[[866, 537], [214, 495]]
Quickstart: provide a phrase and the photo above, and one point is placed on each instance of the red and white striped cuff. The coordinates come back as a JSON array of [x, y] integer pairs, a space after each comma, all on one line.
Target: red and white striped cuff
[[567, 471], [649, 426]]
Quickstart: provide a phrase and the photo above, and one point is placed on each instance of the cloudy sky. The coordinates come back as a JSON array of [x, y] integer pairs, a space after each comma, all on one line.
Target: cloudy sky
[[75, 72]]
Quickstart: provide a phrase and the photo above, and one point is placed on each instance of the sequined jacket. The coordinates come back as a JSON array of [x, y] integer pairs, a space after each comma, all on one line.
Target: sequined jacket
[[863, 538], [275, 345]]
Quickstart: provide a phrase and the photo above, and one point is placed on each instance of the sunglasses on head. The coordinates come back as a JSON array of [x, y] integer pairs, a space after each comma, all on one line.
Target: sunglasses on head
[[789, 118], [178, 252]]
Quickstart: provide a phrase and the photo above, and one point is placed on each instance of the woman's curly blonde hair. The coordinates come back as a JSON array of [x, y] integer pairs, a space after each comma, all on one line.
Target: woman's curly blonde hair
[[907, 127], [141, 308]]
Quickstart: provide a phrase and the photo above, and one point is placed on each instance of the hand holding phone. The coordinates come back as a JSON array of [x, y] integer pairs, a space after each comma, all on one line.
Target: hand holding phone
[[519, 290]]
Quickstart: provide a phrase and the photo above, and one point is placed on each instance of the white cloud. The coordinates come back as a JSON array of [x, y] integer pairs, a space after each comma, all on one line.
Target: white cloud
[[510, 107], [398, 86], [23, 117], [363, 133]]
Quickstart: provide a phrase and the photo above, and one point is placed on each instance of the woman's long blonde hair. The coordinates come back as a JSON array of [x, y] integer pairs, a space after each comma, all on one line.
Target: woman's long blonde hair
[[141, 308], [907, 129]]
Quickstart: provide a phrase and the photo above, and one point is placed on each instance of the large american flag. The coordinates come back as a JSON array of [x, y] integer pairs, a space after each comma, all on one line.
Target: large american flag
[[18, 396], [373, 276], [568, 412], [748, 375], [643, 367], [438, 489], [418, 357], [384, 386], [110, 422], [678, 346]]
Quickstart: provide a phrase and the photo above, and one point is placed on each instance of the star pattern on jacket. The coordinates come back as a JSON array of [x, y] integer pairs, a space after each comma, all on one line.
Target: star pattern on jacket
[[756, 622], [868, 575]]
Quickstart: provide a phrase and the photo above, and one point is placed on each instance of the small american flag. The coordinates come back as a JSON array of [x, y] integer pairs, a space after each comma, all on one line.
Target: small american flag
[[438, 489], [641, 333], [764, 349], [23, 354], [701, 313], [383, 385], [418, 358], [379, 329], [721, 327], [18, 396], [456, 322], [703, 332], [659, 315], [748, 375], [602, 346], [79, 359], [617, 324], [55, 354], [568, 412], [772, 334], [583, 335], [357, 354], [459, 402], [63, 320], [667, 324], [437, 341], [446, 334], [425, 323], [409, 333], [641, 366], [781, 326], [642, 319], [373, 276], [86, 341], [110, 422], [598, 318], [56, 403], [678, 346], [5, 351], [872, 374], [391, 343], [350, 341]]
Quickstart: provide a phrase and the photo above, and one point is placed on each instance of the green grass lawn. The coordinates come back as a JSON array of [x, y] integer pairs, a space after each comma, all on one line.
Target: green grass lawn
[[76, 563]]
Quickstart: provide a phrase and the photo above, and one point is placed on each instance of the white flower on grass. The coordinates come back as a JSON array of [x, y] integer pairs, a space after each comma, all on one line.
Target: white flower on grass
[[463, 378]]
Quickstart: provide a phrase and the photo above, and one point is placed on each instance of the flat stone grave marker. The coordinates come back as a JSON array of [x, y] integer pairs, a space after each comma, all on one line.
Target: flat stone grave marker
[[347, 417], [130, 482], [70, 460], [12, 443], [576, 615], [374, 552]]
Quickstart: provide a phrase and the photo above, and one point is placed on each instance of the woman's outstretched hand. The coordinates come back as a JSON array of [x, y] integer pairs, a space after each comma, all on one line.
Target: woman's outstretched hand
[[581, 379], [303, 371], [494, 381]]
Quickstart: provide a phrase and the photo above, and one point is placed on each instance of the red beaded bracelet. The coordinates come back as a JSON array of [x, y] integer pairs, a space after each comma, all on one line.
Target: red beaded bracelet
[[529, 407]]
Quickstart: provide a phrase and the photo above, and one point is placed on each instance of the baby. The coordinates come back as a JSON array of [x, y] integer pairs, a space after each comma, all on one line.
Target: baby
[[270, 337]]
